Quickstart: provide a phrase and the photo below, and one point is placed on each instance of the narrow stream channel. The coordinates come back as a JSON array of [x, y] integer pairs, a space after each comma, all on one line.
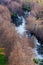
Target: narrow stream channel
[[20, 27], [38, 49]]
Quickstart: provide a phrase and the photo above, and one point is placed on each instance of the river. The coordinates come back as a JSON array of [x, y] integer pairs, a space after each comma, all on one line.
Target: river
[[21, 29]]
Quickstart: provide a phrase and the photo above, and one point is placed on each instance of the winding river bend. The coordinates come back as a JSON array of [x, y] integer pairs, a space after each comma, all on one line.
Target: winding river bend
[[21, 28]]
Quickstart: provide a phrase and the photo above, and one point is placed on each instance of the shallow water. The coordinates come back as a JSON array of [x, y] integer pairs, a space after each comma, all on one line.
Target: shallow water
[[21, 28], [38, 49]]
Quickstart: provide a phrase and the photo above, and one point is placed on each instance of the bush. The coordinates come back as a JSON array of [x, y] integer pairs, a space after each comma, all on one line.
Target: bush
[[14, 15], [36, 60], [26, 8], [14, 18], [3, 58]]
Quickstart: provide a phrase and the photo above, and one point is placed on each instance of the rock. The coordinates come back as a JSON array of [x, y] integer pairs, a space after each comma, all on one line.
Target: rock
[[21, 54], [15, 7], [5, 20], [30, 22], [39, 30], [4, 12], [35, 8], [33, 24], [5, 2]]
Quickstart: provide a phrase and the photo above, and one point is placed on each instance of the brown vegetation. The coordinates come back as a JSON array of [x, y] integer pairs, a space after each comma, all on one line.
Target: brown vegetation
[[17, 49]]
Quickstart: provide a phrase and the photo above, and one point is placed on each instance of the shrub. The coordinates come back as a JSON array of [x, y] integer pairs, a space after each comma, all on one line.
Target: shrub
[[36, 60], [3, 58], [14, 15], [26, 8]]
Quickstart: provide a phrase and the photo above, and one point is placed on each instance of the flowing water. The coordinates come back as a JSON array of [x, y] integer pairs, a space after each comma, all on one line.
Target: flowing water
[[21, 30], [38, 46], [38, 49]]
